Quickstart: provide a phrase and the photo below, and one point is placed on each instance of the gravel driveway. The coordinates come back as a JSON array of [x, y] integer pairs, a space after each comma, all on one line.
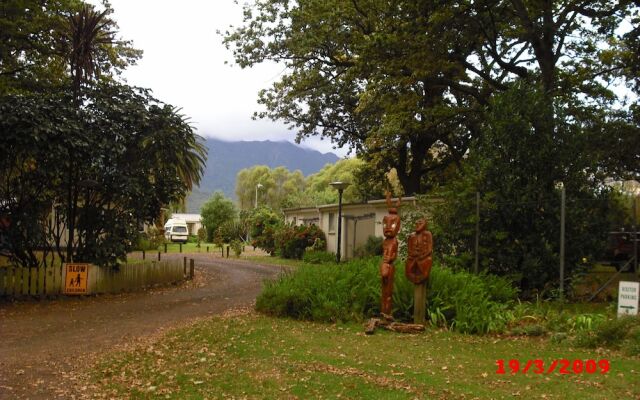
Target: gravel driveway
[[46, 345]]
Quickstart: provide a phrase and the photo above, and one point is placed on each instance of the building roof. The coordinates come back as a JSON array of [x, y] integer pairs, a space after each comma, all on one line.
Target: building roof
[[187, 217], [374, 203]]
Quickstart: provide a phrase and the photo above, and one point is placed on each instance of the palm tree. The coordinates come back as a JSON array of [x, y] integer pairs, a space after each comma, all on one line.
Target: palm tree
[[87, 35], [173, 144]]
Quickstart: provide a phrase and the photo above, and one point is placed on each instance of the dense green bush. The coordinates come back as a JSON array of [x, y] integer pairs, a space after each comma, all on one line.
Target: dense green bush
[[372, 247], [318, 257], [631, 345], [291, 241], [150, 240], [202, 235], [351, 291], [236, 246], [263, 225], [616, 333], [469, 303]]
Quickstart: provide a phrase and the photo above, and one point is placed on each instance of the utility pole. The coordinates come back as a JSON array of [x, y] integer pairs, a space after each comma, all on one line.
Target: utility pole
[[477, 244], [635, 235], [562, 221], [340, 187], [258, 186]]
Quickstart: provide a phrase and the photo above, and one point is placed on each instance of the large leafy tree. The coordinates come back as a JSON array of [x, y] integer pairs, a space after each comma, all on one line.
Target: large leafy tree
[[520, 217], [406, 83], [318, 190], [565, 47], [216, 212], [34, 134], [511, 96], [280, 188], [30, 54], [272, 186], [37, 41], [86, 159], [121, 181], [365, 75], [90, 48]]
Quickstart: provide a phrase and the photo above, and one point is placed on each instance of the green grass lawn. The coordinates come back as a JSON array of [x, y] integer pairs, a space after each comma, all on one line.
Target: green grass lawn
[[254, 356], [268, 260], [186, 248]]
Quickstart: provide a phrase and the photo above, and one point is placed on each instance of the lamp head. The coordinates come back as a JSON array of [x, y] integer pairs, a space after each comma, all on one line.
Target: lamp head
[[339, 186]]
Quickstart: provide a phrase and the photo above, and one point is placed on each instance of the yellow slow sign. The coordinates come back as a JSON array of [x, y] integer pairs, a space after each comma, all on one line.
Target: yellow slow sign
[[76, 279]]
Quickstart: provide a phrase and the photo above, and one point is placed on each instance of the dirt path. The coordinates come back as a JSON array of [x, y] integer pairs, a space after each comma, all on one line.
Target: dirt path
[[44, 344]]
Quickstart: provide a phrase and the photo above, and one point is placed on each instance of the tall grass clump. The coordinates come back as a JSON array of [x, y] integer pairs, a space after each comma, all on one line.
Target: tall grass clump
[[351, 292], [616, 333]]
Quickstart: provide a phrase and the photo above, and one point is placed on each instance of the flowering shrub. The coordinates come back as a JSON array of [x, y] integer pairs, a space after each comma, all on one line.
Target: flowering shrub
[[264, 223], [291, 241]]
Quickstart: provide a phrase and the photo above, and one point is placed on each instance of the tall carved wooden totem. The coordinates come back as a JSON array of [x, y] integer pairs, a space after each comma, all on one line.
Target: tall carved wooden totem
[[391, 227]]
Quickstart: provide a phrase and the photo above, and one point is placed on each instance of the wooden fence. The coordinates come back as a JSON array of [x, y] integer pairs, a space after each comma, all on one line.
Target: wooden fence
[[19, 282]]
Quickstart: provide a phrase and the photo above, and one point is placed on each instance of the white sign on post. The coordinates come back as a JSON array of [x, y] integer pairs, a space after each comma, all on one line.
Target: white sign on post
[[628, 294]]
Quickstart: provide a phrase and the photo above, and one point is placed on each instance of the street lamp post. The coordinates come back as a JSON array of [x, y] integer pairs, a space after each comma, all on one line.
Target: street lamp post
[[340, 186], [560, 185], [258, 186]]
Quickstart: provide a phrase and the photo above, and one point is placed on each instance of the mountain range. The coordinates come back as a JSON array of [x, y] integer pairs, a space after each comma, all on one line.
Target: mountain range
[[226, 159]]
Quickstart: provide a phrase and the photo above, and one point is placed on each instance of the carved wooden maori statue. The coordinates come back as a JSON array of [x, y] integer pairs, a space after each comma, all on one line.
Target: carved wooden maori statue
[[420, 248], [391, 226]]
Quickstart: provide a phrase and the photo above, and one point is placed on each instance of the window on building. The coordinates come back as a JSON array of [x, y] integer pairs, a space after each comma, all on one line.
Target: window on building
[[332, 222]]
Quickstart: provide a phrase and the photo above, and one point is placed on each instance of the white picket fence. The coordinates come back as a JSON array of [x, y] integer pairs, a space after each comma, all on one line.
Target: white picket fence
[[20, 282]]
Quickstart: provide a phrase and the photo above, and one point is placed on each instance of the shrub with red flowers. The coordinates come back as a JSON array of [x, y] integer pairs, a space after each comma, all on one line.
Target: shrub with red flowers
[[264, 223], [291, 241]]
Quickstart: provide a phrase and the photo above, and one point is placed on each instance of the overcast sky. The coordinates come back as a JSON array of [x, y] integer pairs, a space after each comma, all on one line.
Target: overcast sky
[[184, 64]]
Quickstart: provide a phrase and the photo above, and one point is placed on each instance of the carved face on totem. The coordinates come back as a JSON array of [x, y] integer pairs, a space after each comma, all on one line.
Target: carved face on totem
[[391, 224], [421, 225]]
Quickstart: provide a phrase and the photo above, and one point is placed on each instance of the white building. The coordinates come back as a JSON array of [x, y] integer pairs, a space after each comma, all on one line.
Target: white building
[[359, 221]]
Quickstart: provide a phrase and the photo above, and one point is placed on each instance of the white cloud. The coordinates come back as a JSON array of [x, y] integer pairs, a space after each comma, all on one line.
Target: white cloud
[[184, 64]]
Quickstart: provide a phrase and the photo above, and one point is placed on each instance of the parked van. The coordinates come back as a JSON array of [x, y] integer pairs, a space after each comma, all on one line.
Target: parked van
[[176, 230]]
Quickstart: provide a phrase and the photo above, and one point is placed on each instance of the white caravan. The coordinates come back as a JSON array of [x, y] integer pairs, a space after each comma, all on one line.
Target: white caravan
[[176, 230]]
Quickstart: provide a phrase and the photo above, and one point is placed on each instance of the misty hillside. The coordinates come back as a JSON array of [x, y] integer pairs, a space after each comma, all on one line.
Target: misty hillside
[[226, 159]]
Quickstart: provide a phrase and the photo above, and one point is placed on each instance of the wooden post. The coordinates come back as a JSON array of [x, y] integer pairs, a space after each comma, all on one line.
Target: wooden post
[[207, 249], [158, 256], [180, 247], [222, 250], [41, 274], [165, 247], [562, 230], [420, 304], [476, 262], [228, 250], [143, 254], [2, 284], [635, 235], [184, 263], [33, 281], [191, 268]]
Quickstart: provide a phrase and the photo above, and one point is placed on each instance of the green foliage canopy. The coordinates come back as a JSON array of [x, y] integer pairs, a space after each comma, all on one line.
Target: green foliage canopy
[[121, 181], [83, 156], [217, 211], [407, 84], [36, 42], [276, 186]]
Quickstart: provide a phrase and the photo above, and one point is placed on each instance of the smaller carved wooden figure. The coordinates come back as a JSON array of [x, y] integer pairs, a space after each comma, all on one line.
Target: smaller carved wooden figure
[[391, 227], [420, 248], [418, 268]]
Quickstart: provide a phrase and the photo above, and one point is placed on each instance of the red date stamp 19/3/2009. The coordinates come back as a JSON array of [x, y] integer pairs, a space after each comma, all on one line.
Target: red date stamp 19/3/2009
[[562, 366]]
